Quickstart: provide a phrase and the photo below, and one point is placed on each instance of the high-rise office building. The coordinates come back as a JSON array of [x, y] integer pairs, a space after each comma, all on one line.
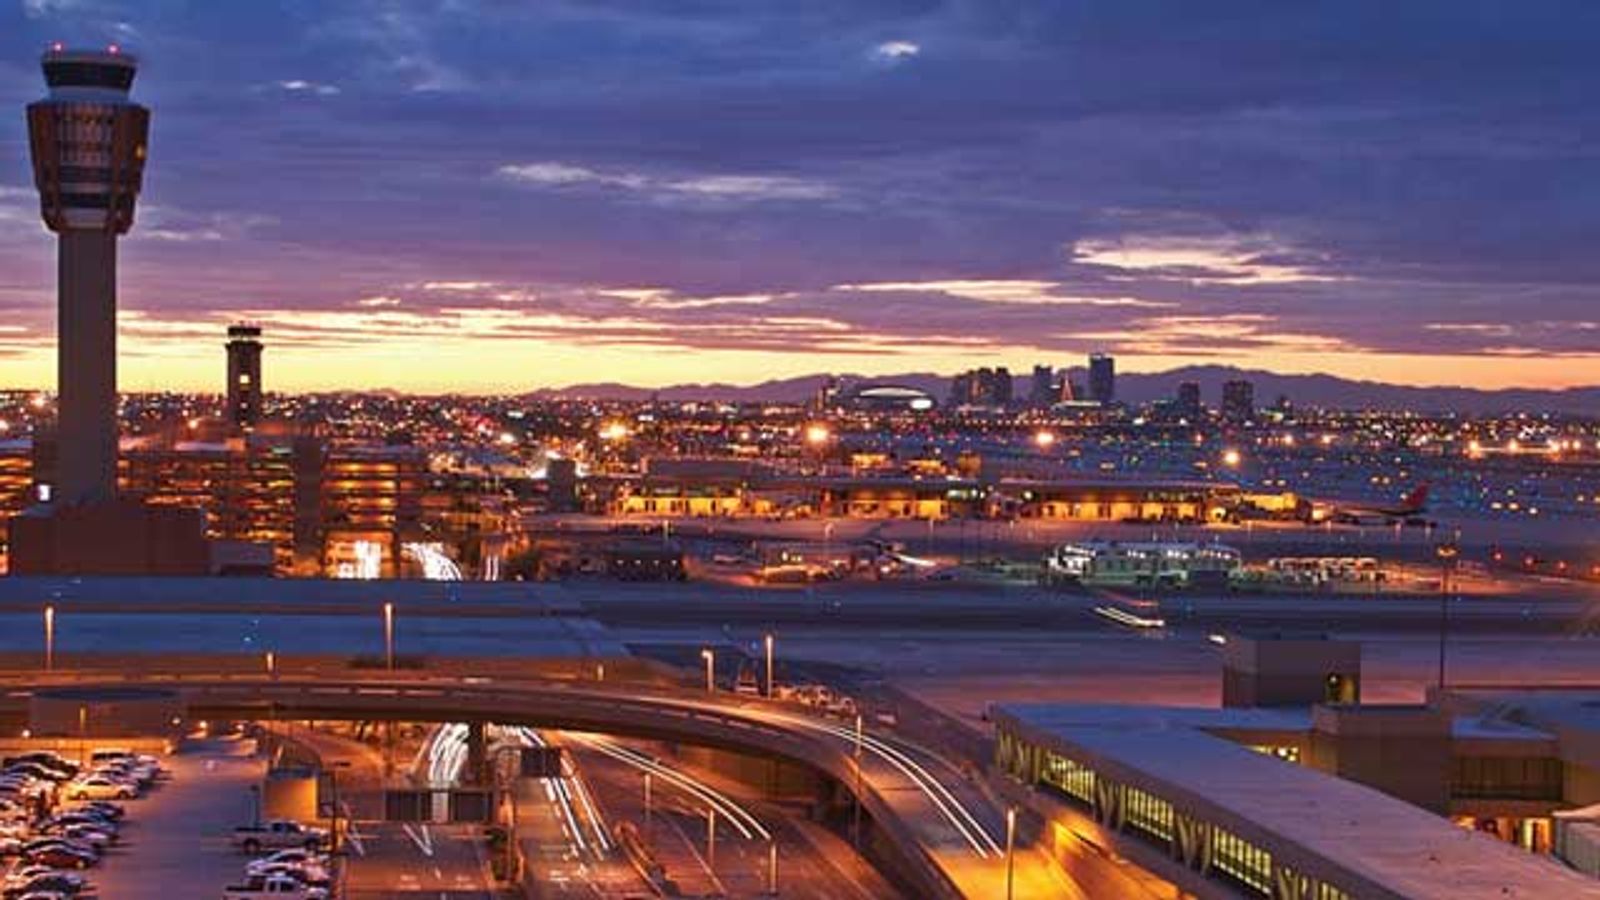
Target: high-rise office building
[[1102, 379], [244, 375], [1044, 390], [1238, 400], [1187, 403], [89, 143], [984, 387]]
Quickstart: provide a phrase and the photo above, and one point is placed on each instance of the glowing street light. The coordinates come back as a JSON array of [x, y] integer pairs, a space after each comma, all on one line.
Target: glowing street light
[[1044, 440], [1231, 458], [711, 669], [613, 432], [49, 638], [1011, 849], [647, 806], [388, 636], [818, 434], [767, 641], [711, 839]]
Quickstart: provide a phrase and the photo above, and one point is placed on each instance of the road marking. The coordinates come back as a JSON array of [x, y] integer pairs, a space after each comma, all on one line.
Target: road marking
[[422, 839]]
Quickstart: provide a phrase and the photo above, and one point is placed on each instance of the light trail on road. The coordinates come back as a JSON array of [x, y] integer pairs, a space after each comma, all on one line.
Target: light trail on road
[[954, 811], [436, 564], [743, 821]]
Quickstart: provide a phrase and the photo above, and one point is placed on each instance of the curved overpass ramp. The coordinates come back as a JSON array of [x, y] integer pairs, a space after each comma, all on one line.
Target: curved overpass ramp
[[942, 827]]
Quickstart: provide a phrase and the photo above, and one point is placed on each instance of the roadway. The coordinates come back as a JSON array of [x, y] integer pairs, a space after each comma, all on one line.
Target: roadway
[[945, 825], [812, 861], [400, 860]]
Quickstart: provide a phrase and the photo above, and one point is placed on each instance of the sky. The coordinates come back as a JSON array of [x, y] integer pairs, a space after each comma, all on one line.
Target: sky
[[443, 195]]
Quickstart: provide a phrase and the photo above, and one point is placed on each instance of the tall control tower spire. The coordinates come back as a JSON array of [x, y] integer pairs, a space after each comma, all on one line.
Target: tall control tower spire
[[89, 144]]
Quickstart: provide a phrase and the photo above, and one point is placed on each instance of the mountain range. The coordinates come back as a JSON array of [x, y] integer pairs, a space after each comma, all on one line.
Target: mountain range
[[1325, 391]]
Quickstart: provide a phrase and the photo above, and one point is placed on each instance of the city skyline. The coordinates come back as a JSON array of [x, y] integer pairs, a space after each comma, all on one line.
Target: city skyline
[[435, 198]]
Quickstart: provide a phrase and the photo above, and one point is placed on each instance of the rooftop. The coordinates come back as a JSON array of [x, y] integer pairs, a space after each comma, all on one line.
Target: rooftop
[[1290, 809]]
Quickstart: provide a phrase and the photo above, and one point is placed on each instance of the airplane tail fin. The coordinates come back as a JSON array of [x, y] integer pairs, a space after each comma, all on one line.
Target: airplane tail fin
[[1417, 499]]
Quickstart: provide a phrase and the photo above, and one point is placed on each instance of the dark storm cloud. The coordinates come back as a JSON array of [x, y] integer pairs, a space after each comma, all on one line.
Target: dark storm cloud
[[1357, 176]]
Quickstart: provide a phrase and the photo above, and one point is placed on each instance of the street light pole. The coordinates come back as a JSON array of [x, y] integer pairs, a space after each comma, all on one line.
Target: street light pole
[[768, 643], [1447, 554], [772, 866], [711, 840], [1011, 849], [333, 811], [49, 638], [855, 829], [647, 828], [388, 636], [711, 669], [272, 664]]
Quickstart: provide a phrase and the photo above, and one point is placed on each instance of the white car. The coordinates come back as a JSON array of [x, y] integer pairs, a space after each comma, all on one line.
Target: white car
[[99, 787], [311, 873], [278, 887], [294, 856]]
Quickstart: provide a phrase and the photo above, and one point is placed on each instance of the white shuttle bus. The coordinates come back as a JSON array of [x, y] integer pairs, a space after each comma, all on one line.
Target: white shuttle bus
[[1159, 564]]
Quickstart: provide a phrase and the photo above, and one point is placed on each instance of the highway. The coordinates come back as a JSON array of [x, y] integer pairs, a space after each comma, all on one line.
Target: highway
[[943, 825]]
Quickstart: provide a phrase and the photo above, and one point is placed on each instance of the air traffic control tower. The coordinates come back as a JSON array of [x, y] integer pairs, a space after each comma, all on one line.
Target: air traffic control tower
[[89, 145]]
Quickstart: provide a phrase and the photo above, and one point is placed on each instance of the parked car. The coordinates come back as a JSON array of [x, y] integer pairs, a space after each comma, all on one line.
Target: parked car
[[277, 888], [103, 809], [63, 855], [46, 881], [311, 873], [277, 835], [100, 787], [294, 856], [92, 835], [84, 817]]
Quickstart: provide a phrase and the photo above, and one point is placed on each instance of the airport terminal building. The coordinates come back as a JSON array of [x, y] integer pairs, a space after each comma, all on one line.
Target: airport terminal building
[[1481, 792]]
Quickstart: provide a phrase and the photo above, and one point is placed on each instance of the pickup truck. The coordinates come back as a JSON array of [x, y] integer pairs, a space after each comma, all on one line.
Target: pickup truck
[[278, 835], [276, 887]]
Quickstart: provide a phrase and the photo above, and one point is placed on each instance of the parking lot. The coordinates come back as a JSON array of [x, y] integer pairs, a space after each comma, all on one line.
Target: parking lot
[[177, 840], [172, 841]]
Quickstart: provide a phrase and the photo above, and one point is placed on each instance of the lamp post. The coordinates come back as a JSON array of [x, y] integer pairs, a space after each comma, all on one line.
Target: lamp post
[[49, 638], [272, 664], [1447, 554], [711, 840], [855, 829], [710, 660], [772, 866], [388, 636], [647, 806], [767, 642], [333, 783], [1011, 849]]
